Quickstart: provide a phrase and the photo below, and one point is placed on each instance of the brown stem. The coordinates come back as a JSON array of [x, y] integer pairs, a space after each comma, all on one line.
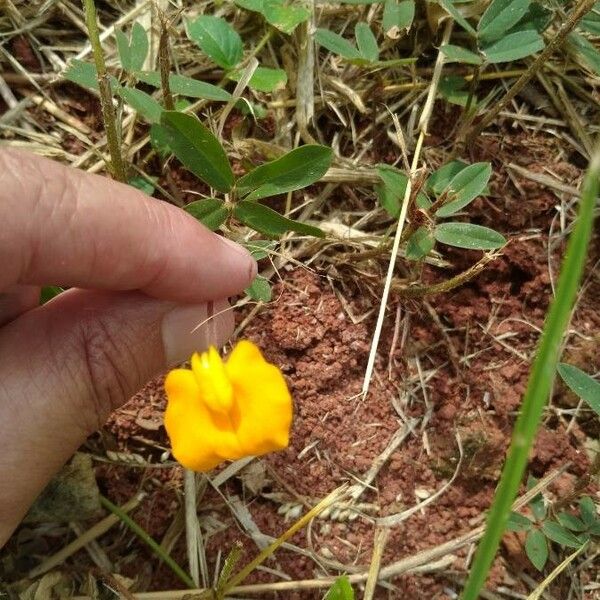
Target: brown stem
[[418, 291], [164, 62]]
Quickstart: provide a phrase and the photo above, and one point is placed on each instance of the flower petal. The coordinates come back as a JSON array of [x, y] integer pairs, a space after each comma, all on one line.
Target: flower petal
[[263, 400], [200, 440]]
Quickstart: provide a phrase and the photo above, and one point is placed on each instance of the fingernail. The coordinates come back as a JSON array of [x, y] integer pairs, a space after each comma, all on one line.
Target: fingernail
[[194, 327], [252, 266]]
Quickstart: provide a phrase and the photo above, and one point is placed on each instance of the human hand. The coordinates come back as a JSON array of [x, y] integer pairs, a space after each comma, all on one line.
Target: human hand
[[141, 273]]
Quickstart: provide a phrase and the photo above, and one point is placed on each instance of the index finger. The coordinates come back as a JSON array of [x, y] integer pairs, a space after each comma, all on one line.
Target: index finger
[[65, 227]]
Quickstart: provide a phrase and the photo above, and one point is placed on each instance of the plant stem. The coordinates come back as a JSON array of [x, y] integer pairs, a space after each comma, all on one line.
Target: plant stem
[[578, 12], [540, 381], [418, 291], [143, 535], [116, 166], [164, 62]]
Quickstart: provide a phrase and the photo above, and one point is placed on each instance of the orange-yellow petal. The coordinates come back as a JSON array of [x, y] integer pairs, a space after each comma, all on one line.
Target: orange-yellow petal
[[200, 439], [263, 400]]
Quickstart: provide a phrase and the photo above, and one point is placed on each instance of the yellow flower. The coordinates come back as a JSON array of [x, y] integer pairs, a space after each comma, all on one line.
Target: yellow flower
[[224, 411]]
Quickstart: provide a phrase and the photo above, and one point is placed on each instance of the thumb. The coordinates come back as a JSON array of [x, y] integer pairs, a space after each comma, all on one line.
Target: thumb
[[66, 365]]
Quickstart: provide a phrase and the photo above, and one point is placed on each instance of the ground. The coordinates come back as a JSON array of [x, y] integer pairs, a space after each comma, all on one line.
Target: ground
[[450, 374]]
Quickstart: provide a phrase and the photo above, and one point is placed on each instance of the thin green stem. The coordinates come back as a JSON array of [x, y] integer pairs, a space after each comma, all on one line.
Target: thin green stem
[[540, 382], [154, 546], [117, 165]]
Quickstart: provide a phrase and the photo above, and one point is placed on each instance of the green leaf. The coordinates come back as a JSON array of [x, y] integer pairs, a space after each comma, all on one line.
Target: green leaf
[[340, 590], [536, 504], [499, 17], [211, 212], [514, 46], [440, 179], [263, 79], [571, 522], [198, 149], [453, 89], [587, 510], [133, 51], [518, 522], [282, 16], [536, 548], [557, 533], [269, 222], [392, 189], [285, 18], [159, 140], [186, 86], [585, 51], [260, 289], [366, 42], [591, 21], [448, 6], [141, 102], [337, 44], [582, 384], [216, 38], [83, 74], [466, 235], [293, 171], [48, 292], [260, 248], [397, 17], [420, 244], [390, 192], [460, 55], [144, 184], [465, 187]]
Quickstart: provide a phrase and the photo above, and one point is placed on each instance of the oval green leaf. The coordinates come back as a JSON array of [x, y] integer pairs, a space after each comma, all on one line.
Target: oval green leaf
[[259, 289], [536, 548], [397, 17], [518, 522], [340, 590], [582, 384], [197, 149], [218, 39], [141, 102], [571, 522], [132, 51], [263, 79], [366, 42], [269, 222], [293, 171], [587, 510], [514, 46], [440, 179], [559, 534], [186, 86], [337, 44], [211, 212], [460, 55], [420, 244], [465, 186], [466, 235], [499, 17]]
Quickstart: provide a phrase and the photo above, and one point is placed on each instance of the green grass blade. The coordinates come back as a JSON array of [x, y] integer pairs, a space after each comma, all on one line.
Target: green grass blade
[[540, 383], [154, 546]]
